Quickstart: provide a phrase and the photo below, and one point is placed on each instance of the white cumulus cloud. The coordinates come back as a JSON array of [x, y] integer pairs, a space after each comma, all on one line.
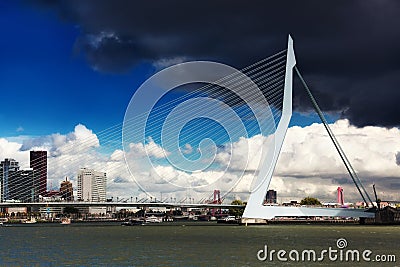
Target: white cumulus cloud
[[308, 164]]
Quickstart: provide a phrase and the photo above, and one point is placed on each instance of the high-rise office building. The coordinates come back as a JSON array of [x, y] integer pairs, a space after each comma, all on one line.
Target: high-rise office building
[[7, 169], [271, 197], [16, 184], [66, 191], [38, 162], [21, 186], [91, 185]]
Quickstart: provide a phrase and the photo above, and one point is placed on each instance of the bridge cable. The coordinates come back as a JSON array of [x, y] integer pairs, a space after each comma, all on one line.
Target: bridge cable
[[339, 149], [263, 86]]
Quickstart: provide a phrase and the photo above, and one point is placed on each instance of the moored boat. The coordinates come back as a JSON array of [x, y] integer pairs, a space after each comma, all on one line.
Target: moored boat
[[153, 219], [228, 220], [30, 221], [133, 222], [65, 221]]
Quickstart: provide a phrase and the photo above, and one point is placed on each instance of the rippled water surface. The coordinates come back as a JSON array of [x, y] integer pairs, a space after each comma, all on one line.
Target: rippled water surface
[[183, 245]]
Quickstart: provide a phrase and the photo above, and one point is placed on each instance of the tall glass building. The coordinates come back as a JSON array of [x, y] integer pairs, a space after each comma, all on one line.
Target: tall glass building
[[7, 168], [16, 184], [38, 162]]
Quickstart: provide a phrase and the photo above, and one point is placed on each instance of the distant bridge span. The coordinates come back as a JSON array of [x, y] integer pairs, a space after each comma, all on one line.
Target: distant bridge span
[[116, 204], [276, 210]]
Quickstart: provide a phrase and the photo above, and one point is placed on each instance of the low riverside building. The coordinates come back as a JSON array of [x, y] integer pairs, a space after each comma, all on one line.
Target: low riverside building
[[16, 210], [50, 212]]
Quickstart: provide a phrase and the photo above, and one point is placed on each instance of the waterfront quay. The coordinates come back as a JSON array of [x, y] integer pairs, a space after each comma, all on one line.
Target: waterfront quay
[[111, 211], [83, 211]]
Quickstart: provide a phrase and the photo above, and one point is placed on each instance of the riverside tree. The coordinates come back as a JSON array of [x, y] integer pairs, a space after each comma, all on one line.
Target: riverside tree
[[310, 201], [237, 212]]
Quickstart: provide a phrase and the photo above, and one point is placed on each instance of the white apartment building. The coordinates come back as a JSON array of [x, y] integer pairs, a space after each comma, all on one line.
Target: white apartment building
[[91, 185]]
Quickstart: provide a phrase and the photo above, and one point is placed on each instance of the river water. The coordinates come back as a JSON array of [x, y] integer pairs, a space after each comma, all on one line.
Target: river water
[[183, 244]]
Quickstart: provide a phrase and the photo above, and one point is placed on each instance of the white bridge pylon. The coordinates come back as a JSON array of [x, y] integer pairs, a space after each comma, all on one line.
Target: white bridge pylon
[[255, 208]]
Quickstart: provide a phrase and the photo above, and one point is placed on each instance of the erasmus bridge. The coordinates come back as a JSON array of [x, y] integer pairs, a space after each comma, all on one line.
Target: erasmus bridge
[[253, 102]]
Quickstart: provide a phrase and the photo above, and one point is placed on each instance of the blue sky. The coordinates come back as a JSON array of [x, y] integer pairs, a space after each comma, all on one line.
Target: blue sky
[[48, 86], [79, 62]]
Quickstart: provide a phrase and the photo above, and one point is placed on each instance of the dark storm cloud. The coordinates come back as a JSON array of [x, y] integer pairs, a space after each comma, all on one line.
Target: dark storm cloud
[[347, 50]]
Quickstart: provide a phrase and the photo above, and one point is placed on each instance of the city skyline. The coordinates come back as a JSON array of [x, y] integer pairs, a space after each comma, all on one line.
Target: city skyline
[[74, 87], [30, 184]]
